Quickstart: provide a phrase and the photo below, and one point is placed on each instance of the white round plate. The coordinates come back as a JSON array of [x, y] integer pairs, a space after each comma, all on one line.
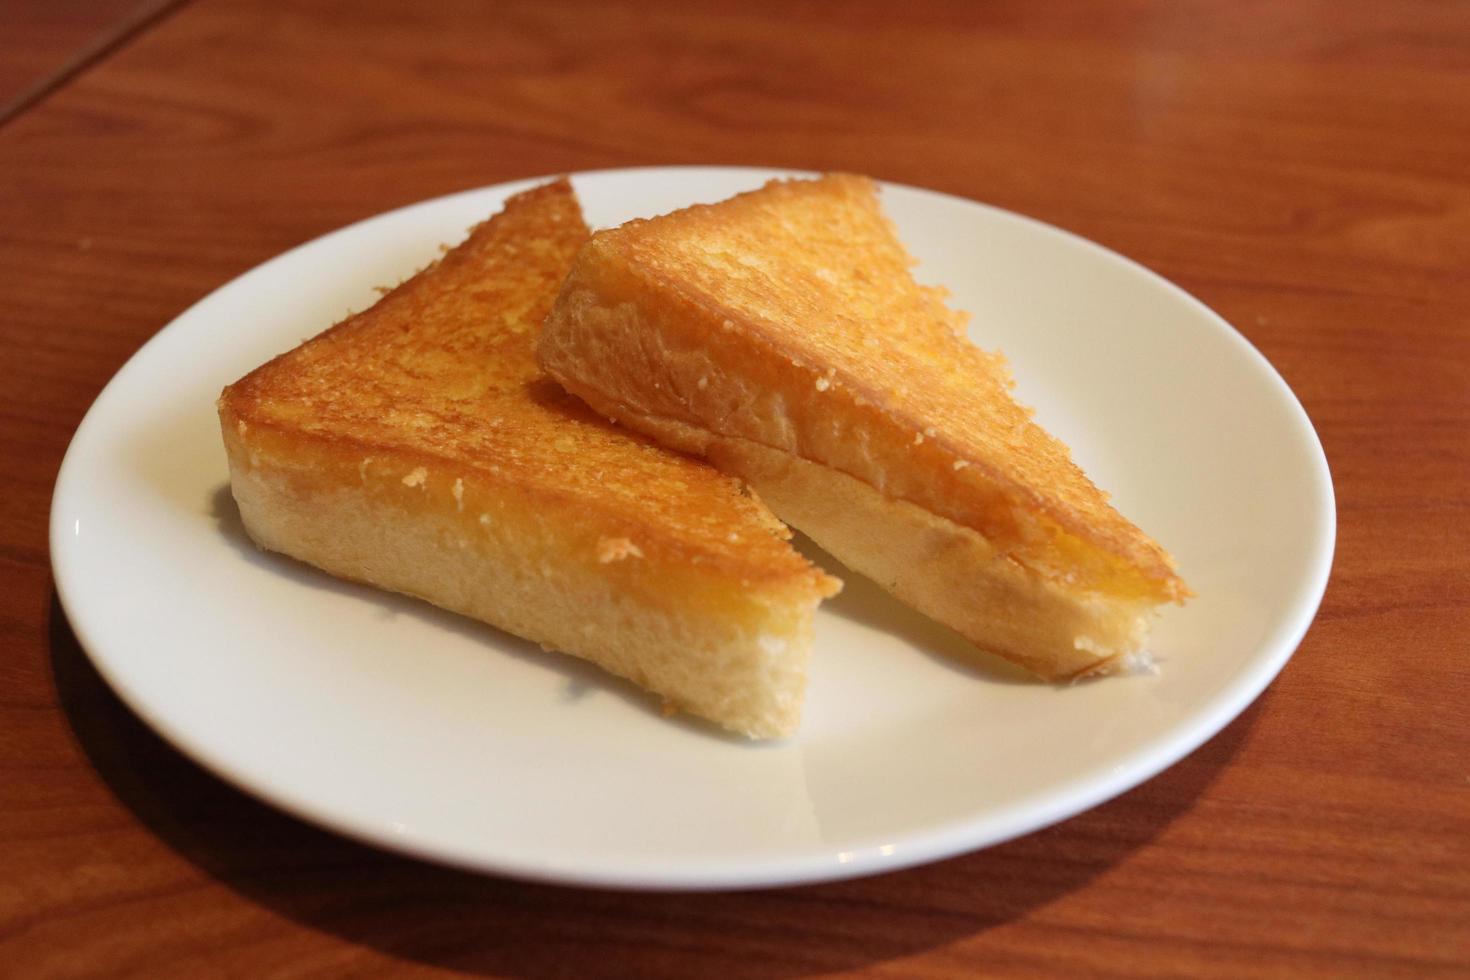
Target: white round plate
[[392, 722]]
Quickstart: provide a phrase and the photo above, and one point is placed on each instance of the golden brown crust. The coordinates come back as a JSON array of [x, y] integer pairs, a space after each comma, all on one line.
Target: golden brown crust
[[417, 447], [441, 372], [788, 317]]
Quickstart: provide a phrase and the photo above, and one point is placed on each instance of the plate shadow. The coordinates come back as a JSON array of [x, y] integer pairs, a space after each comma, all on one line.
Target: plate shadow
[[865, 602], [450, 919]]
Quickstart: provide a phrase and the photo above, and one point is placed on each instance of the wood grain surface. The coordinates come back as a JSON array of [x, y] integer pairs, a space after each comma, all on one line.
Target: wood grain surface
[[1303, 167]]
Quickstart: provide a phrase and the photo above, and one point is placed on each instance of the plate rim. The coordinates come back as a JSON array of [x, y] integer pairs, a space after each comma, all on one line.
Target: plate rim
[[946, 838]]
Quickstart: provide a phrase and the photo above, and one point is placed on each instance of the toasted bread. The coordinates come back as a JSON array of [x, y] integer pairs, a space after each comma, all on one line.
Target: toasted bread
[[781, 334], [417, 447]]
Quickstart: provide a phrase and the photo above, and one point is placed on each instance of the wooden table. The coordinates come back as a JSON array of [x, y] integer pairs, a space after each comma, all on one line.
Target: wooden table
[[1302, 166]]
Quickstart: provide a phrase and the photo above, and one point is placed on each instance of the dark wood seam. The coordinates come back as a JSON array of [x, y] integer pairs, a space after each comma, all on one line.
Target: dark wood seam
[[101, 46]]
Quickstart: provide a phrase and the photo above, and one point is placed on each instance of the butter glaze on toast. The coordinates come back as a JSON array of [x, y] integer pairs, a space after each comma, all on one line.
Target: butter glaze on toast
[[416, 446], [781, 334]]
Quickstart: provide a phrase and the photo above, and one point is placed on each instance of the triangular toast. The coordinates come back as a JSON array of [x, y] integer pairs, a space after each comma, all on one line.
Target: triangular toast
[[416, 446], [781, 334]]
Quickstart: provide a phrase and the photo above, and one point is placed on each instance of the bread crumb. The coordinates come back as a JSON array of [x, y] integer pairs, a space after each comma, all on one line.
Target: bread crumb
[[616, 549], [458, 491], [823, 384], [485, 520], [960, 464], [732, 537], [1130, 663], [362, 469], [931, 432], [1137, 663], [417, 478], [703, 382], [241, 427], [918, 438]]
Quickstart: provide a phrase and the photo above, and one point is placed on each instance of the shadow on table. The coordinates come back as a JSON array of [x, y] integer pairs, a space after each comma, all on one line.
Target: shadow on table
[[462, 921]]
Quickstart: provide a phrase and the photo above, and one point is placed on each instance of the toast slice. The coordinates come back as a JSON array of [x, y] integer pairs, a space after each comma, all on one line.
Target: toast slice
[[417, 447], [781, 334]]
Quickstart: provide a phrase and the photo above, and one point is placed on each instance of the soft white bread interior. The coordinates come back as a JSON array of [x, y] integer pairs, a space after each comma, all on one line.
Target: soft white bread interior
[[416, 447]]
